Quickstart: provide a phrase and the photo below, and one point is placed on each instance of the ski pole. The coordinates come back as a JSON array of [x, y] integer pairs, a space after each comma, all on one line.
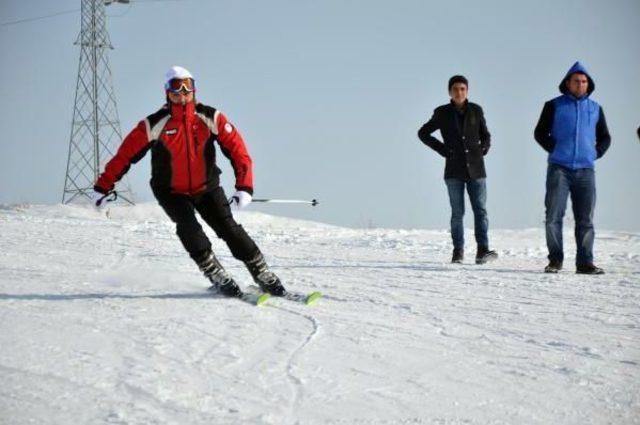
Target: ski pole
[[105, 197], [312, 202]]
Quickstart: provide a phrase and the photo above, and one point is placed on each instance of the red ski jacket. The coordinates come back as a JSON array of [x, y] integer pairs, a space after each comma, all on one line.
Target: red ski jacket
[[183, 155]]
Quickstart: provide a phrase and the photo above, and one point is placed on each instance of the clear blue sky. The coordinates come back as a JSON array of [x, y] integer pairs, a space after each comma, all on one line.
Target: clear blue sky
[[329, 96]]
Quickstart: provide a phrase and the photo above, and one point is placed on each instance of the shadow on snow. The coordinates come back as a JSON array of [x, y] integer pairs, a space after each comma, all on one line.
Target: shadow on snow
[[101, 296]]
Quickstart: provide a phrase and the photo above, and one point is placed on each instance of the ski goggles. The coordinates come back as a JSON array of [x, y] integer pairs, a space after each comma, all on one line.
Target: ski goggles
[[176, 85]]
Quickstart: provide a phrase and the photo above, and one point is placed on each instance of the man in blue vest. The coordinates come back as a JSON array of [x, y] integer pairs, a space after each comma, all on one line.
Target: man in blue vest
[[572, 128]]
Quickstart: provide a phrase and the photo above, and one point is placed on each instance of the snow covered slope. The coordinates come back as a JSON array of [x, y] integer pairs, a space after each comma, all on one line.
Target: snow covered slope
[[107, 321]]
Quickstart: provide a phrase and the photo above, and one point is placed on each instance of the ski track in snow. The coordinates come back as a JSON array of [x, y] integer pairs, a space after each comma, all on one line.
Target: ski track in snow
[[107, 321], [297, 382]]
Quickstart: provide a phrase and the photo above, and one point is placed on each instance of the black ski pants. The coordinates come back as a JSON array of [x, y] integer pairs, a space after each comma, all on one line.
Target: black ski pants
[[214, 209]]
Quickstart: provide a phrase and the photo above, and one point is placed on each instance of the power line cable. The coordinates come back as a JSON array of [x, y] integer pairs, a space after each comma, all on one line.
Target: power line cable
[[19, 21], [37, 18]]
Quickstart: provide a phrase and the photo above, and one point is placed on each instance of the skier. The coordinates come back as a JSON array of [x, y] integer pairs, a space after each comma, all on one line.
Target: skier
[[466, 142], [572, 128], [185, 179]]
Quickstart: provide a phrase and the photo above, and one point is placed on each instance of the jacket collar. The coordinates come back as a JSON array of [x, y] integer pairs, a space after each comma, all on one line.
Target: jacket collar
[[464, 107], [576, 99], [180, 112]]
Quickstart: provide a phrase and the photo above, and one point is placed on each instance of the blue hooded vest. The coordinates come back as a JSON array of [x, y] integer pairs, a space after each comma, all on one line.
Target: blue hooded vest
[[574, 125]]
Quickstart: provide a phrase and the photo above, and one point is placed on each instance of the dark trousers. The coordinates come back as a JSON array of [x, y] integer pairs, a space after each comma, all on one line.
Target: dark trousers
[[477, 190], [214, 209], [581, 184]]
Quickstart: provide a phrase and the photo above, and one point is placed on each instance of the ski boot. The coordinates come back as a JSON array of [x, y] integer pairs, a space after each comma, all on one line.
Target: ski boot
[[265, 278], [218, 276]]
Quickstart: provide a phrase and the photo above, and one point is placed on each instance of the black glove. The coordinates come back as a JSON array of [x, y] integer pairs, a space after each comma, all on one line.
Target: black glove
[[100, 189], [110, 196]]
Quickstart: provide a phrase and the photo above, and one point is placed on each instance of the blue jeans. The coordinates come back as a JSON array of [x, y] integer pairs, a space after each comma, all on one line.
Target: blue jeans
[[581, 184], [477, 189]]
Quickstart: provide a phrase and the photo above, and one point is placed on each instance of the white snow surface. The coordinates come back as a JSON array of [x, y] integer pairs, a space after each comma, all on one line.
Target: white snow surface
[[107, 321]]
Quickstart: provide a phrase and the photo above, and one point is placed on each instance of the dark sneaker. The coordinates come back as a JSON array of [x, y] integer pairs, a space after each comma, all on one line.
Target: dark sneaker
[[588, 269], [554, 266], [265, 278], [218, 276], [458, 255], [484, 255]]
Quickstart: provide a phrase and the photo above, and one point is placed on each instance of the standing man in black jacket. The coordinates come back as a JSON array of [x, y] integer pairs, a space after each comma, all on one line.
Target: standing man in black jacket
[[466, 142]]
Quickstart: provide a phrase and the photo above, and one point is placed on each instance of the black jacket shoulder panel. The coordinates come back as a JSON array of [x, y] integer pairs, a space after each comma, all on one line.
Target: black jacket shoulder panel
[[208, 111], [158, 115]]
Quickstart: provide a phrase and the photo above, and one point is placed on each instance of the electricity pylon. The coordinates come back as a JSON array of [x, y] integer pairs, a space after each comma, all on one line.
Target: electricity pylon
[[95, 129]]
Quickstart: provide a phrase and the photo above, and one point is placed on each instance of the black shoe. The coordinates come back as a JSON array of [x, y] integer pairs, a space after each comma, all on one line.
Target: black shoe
[[218, 276], [458, 255], [554, 266], [484, 255], [589, 268], [265, 278]]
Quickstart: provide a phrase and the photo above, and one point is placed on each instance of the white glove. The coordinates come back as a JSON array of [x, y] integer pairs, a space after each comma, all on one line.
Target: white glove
[[240, 199]]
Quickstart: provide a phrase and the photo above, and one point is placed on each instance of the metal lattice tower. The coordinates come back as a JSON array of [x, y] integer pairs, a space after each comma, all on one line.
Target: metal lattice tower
[[95, 129]]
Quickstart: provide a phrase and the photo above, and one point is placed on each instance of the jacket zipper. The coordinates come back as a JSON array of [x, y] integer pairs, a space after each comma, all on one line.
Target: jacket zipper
[[575, 137], [186, 135]]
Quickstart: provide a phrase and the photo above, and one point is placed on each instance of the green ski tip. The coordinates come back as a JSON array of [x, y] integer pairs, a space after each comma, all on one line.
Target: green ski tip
[[313, 297], [262, 298]]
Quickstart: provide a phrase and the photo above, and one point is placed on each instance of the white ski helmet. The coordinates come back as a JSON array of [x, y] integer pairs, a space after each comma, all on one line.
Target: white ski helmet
[[176, 72]]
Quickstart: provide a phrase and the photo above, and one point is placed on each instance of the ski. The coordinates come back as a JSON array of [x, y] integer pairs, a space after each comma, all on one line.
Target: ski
[[295, 296], [252, 298], [255, 299], [301, 297]]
